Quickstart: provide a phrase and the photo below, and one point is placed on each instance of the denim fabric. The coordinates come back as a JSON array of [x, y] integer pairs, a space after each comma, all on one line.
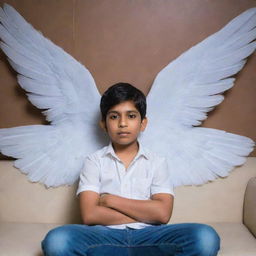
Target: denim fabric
[[185, 239]]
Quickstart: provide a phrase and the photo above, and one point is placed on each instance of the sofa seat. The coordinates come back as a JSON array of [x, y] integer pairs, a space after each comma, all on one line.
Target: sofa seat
[[28, 210], [236, 239], [23, 239]]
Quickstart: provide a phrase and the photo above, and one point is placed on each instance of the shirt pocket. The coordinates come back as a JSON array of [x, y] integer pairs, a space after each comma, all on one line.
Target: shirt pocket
[[141, 188], [108, 182]]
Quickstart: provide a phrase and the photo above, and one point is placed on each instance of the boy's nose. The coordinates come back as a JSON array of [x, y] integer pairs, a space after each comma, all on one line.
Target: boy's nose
[[122, 123]]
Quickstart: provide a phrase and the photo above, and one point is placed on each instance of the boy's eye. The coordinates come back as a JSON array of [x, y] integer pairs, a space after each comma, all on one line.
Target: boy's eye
[[113, 117], [132, 116]]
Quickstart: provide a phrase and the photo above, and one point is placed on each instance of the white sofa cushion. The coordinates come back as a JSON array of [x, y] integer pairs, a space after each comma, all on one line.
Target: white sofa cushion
[[22, 239], [236, 239], [218, 201]]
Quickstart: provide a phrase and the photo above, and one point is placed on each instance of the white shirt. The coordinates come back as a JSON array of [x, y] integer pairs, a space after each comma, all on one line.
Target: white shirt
[[147, 174]]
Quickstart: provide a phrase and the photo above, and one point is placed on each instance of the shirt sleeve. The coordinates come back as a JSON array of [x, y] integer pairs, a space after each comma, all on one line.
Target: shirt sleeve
[[89, 177], [161, 180]]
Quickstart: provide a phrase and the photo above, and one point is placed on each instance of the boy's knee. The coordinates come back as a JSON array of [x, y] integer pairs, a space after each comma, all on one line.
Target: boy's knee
[[208, 241], [57, 242]]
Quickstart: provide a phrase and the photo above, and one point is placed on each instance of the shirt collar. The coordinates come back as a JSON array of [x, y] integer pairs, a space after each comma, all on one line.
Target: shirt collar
[[110, 151]]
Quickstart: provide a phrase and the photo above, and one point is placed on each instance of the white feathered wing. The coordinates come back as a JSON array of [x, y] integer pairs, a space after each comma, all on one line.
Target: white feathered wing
[[181, 95], [185, 90], [65, 90]]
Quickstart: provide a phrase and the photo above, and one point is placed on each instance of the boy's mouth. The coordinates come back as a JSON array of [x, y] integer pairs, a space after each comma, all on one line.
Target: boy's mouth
[[123, 133]]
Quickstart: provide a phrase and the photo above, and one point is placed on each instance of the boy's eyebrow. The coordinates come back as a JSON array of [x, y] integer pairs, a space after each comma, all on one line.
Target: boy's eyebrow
[[128, 111]]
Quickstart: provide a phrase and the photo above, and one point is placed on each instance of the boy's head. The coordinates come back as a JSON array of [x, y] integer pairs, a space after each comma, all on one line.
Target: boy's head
[[119, 93], [123, 110]]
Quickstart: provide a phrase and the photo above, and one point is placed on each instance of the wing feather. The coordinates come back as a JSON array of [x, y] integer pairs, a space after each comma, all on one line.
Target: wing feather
[[210, 62], [66, 85], [50, 154], [66, 92], [182, 94]]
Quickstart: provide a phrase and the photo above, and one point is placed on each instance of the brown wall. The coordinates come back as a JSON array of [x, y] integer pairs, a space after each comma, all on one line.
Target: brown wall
[[131, 41]]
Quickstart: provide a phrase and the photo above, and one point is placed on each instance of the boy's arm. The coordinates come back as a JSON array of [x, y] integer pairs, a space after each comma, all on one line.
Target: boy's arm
[[154, 211], [95, 214], [92, 213]]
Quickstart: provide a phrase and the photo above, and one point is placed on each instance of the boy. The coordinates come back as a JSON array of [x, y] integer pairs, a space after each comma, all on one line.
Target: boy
[[126, 197]]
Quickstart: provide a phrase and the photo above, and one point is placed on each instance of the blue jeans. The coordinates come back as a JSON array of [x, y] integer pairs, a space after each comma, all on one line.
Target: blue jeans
[[185, 239]]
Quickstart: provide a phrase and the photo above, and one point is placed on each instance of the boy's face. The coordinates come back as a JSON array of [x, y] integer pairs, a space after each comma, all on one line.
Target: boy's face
[[123, 123]]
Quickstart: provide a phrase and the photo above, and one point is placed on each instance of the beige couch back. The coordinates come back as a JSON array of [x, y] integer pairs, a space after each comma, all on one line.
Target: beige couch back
[[23, 201]]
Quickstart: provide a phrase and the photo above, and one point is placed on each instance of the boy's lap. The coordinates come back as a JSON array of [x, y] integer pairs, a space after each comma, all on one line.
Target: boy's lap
[[153, 240], [147, 235], [98, 235]]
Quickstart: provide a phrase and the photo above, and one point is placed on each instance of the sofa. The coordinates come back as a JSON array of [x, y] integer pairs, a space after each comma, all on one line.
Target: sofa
[[29, 210]]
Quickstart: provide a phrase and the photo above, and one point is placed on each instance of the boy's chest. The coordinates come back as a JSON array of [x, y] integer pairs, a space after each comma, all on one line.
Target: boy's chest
[[133, 182]]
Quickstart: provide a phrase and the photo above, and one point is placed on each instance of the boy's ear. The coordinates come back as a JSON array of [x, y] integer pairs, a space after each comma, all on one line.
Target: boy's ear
[[144, 123], [102, 125]]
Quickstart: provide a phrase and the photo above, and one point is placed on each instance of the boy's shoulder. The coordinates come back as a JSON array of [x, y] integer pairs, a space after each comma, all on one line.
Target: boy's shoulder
[[97, 154], [152, 155]]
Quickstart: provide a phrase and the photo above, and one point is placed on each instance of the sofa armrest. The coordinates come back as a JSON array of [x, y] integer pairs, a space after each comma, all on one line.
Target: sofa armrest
[[249, 210]]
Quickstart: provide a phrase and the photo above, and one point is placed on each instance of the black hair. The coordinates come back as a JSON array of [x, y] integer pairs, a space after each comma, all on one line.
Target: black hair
[[119, 93]]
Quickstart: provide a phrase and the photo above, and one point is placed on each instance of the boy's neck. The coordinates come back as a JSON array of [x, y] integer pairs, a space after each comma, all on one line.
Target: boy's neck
[[131, 149], [126, 153]]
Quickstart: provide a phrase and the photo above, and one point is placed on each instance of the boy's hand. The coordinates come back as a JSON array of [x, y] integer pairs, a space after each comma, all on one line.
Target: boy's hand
[[157, 210], [106, 199], [103, 200], [95, 214]]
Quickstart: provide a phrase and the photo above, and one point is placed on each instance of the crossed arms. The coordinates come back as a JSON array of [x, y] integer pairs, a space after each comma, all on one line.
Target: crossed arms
[[110, 209]]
